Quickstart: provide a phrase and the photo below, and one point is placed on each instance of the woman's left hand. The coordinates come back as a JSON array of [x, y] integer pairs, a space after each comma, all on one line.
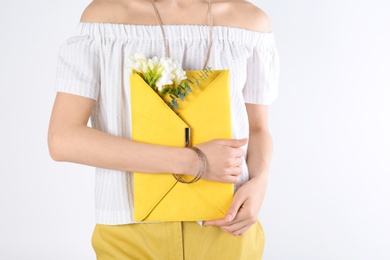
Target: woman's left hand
[[245, 207]]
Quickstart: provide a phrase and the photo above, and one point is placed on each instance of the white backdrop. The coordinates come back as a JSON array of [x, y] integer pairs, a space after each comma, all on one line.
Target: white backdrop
[[328, 192]]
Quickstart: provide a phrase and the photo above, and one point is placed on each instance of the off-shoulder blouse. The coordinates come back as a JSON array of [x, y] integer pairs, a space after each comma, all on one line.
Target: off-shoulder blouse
[[92, 62]]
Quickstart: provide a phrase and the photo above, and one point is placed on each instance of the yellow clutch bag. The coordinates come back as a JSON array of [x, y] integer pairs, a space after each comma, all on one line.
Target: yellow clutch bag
[[206, 111]]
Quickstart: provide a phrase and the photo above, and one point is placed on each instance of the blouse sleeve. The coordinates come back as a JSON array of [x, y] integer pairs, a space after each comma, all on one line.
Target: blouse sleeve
[[261, 86], [78, 67]]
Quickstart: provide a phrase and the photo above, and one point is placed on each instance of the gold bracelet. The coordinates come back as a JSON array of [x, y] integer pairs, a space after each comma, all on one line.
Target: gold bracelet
[[201, 171]]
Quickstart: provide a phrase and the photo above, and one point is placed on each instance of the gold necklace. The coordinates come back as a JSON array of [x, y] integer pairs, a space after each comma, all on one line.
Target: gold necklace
[[165, 40]]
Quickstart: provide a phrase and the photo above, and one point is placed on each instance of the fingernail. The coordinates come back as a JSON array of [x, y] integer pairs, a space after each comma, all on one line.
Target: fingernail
[[229, 217]]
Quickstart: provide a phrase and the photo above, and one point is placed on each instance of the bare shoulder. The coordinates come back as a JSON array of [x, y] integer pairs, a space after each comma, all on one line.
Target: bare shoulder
[[247, 15], [257, 18], [114, 11], [94, 11]]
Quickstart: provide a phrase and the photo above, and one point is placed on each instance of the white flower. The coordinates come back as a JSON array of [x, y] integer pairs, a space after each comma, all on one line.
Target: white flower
[[164, 68], [173, 67], [137, 62], [170, 70], [179, 73], [152, 64], [165, 79], [166, 64]]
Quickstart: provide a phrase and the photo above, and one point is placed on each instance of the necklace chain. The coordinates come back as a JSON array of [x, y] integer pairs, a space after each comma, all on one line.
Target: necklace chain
[[165, 39]]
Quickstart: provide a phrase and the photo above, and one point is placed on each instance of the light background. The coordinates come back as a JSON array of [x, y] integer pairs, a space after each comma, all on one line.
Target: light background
[[328, 194]]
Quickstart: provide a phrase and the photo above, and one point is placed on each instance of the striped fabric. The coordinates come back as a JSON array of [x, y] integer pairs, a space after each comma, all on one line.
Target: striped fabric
[[92, 64]]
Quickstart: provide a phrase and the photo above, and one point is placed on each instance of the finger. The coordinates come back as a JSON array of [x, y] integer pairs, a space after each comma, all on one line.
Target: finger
[[237, 161], [241, 227], [238, 226], [240, 142], [222, 222], [235, 171], [239, 220], [241, 231], [230, 178], [217, 222], [238, 152], [238, 201], [233, 142]]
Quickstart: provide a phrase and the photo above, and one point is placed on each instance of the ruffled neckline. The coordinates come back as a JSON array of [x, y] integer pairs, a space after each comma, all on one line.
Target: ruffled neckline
[[172, 31]]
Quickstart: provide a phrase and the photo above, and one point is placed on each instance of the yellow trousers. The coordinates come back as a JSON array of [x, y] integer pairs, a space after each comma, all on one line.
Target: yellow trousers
[[174, 241]]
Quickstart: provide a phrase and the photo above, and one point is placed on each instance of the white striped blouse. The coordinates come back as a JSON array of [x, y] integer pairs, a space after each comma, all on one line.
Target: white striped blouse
[[92, 64]]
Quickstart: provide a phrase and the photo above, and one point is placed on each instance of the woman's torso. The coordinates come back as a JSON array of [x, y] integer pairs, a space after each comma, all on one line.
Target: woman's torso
[[111, 32]]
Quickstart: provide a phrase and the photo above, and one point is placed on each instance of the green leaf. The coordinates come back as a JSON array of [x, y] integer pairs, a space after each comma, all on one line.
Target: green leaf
[[175, 92], [189, 81], [155, 78], [188, 88], [175, 104], [147, 79], [169, 104]]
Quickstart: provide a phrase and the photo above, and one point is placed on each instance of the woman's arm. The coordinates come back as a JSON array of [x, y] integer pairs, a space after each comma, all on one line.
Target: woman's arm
[[260, 147], [248, 199], [71, 140]]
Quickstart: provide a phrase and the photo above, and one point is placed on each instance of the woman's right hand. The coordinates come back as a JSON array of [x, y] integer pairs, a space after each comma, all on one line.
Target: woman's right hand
[[71, 140], [224, 159]]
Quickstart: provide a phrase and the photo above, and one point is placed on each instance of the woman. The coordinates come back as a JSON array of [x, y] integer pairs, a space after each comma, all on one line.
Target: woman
[[91, 83]]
